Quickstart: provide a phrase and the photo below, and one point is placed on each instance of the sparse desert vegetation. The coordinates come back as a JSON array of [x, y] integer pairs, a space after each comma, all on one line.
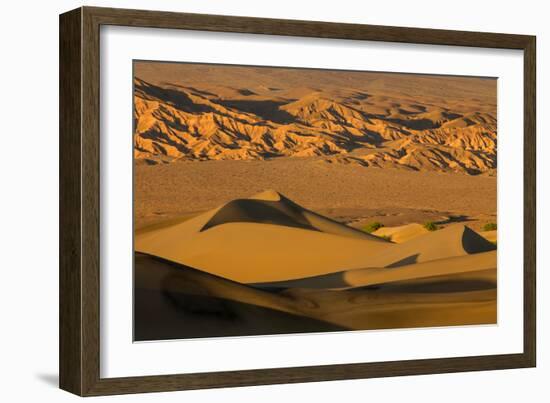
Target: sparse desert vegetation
[[431, 226], [491, 226], [373, 226]]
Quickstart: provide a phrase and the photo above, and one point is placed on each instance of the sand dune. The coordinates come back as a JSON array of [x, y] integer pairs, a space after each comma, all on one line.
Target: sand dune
[[455, 240], [491, 236], [402, 233], [270, 207], [265, 265], [260, 239], [482, 264], [269, 238], [176, 301], [173, 301]]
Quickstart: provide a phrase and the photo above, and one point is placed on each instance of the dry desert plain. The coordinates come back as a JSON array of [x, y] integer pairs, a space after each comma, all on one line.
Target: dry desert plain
[[253, 188]]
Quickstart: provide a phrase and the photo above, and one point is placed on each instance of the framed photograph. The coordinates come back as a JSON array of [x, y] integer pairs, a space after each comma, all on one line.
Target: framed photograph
[[250, 201]]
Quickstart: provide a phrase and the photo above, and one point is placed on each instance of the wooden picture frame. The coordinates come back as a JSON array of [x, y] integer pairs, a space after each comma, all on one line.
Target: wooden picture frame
[[80, 199]]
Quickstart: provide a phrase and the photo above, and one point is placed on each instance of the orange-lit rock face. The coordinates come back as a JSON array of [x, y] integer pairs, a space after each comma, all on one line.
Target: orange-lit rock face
[[200, 112]]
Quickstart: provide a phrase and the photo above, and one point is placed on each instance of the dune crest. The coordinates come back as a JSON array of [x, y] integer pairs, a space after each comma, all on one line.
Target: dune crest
[[267, 195]]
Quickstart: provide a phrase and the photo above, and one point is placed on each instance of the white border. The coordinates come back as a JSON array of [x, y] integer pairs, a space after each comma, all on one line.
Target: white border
[[120, 357]]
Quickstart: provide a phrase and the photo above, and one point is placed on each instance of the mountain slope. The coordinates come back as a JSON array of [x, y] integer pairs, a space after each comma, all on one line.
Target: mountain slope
[[174, 122]]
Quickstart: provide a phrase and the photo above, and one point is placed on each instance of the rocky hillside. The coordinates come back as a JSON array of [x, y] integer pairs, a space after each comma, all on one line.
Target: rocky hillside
[[396, 129]]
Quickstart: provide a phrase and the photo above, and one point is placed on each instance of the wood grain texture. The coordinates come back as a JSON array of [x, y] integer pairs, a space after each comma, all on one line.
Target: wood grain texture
[[530, 202], [70, 186], [80, 196], [90, 202], [315, 29]]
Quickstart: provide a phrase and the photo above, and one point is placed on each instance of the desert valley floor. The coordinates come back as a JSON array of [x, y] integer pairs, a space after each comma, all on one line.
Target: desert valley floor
[[348, 193]]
